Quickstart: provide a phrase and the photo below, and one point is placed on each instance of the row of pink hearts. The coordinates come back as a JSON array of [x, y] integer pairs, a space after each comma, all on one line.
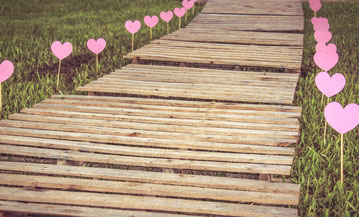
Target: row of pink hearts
[[326, 57], [61, 51], [151, 22]]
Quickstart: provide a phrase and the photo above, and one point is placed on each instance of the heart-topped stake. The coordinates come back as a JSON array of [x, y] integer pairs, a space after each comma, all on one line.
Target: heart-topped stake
[[320, 24], [330, 86], [61, 51], [151, 22], [167, 17], [187, 4], [6, 70], [322, 47], [315, 6], [326, 60], [322, 36], [96, 46], [343, 121], [179, 12], [133, 27]]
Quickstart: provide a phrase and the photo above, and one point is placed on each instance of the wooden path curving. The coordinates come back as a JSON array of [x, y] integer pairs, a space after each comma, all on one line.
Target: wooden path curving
[[196, 147]]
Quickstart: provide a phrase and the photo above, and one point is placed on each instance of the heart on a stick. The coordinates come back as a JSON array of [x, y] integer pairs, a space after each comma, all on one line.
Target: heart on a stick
[[322, 36], [320, 24], [187, 4], [96, 46], [166, 16], [330, 86], [61, 51], [6, 70], [322, 47], [151, 21], [179, 12], [133, 27], [315, 6], [342, 120], [326, 60]]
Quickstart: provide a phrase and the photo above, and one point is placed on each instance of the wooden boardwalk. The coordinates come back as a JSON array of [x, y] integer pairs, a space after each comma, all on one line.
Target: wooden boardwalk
[[197, 147]]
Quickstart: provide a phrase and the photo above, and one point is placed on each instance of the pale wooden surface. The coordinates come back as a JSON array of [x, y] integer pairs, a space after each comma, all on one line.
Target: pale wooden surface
[[167, 81]]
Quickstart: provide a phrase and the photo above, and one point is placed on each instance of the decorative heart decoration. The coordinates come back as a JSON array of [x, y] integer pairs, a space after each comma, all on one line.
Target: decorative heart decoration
[[314, 1], [151, 21], [322, 36], [320, 24], [133, 27], [330, 86], [96, 46], [187, 4], [326, 60], [322, 47], [6, 70], [61, 51], [342, 120], [179, 12], [315, 6], [166, 16]]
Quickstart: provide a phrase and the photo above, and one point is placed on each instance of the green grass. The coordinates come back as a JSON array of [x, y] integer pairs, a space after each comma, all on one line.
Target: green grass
[[28, 29], [317, 165]]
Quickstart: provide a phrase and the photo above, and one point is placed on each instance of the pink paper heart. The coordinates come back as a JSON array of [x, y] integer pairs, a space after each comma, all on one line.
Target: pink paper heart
[[326, 60], [315, 6], [322, 36], [320, 24], [133, 27], [342, 120], [61, 51], [179, 12], [330, 86], [187, 4], [322, 47], [96, 46], [6, 70], [151, 21], [314, 1], [166, 16]]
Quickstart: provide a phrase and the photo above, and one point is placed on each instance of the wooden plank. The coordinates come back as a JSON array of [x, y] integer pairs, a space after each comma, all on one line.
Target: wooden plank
[[214, 182], [146, 162], [142, 202], [68, 210], [146, 152], [147, 189], [254, 7], [248, 22], [180, 125], [235, 37], [292, 111]]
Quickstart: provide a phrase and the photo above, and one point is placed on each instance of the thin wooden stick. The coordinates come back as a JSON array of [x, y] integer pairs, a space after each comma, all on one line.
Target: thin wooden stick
[[58, 76], [133, 39], [0, 98], [321, 103], [193, 9], [150, 34], [315, 14], [168, 28], [179, 23], [97, 63], [325, 127], [341, 159], [186, 18]]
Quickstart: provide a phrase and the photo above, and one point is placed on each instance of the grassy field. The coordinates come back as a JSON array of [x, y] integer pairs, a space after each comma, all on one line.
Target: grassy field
[[317, 166], [28, 29]]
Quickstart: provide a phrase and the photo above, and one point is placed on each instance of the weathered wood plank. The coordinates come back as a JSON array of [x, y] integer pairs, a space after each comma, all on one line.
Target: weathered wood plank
[[146, 162], [66, 210], [142, 203], [147, 189], [146, 152], [214, 182]]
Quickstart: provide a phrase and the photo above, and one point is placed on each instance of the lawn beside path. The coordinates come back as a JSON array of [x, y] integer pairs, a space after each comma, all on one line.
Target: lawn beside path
[[317, 165]]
